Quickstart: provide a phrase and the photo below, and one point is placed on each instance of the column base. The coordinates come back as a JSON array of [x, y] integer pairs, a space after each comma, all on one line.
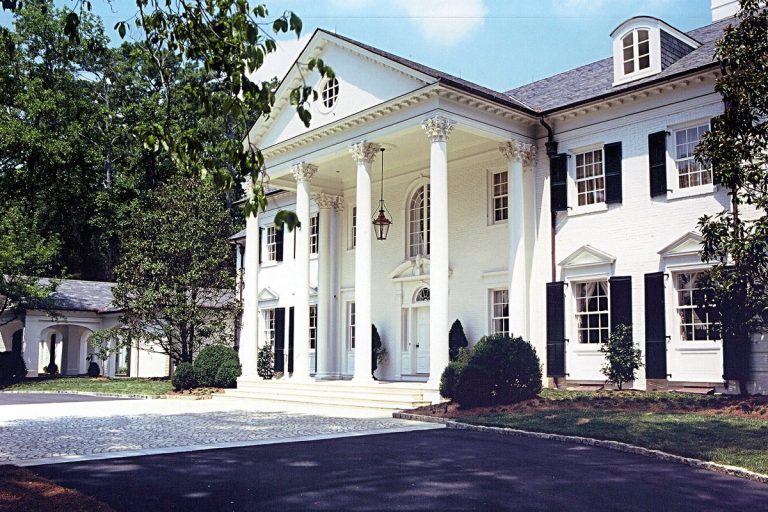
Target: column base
[[328, 376]]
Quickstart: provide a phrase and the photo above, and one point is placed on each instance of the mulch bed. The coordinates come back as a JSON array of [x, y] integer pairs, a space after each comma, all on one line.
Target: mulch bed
[[23, 491], [750, 407]]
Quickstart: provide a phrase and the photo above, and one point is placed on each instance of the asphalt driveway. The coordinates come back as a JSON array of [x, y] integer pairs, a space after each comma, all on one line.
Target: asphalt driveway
[[8, 398], [424, 470]]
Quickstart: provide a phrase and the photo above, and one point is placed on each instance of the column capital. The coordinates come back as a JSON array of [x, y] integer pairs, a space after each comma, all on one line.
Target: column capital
[[516, 150], [438, 128], [303, 171], [338, 204], [363, 151], [324, 201]]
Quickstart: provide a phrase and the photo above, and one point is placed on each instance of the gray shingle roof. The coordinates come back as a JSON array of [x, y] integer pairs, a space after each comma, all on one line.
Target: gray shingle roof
[[595, 80], [76, 295], [440, 76]]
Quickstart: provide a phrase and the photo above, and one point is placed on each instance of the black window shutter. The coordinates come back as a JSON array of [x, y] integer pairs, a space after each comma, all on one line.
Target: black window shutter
[[657, 160], [556, 329], [655, 327], [279, 244], [621, 301], [290, 339], [279, 339], [558, 182], [261, 237], [613, 160]]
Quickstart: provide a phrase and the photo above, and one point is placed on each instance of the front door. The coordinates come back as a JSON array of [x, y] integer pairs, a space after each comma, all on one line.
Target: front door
[[422, 339]]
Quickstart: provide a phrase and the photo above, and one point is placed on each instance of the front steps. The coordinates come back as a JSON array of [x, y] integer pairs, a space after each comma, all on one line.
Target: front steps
[[378, 395]]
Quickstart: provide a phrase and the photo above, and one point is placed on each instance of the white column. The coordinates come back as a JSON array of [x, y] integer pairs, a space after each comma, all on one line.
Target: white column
[[518, 155], [31, 346], [438, 128], [324, 352], [363, 153], [303, 173], [249, 339]]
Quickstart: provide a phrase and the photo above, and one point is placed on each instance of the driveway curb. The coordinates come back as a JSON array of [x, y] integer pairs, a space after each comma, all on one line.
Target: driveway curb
[[611, 445]]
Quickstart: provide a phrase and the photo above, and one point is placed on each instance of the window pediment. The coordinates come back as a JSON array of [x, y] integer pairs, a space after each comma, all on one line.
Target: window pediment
[[687, 245], [267, 294], [587, 256]]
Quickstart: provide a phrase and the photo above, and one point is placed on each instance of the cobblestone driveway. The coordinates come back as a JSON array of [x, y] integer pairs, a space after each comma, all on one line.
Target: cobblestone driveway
[[42, 434]]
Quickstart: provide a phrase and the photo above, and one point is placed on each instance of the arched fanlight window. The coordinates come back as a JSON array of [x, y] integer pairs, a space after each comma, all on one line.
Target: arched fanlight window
[[422, 295], [418, 222], [636, 51]]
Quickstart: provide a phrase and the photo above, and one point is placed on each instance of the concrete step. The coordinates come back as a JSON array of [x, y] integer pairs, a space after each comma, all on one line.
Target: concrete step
[[349, 386], [366, 391], [410, 397], [328, 400]]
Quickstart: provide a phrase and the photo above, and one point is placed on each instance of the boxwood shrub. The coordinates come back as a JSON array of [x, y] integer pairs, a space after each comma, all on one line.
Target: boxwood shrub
[[500, 370], [208, 362], [12, 368], [228, 373], [183, 377]]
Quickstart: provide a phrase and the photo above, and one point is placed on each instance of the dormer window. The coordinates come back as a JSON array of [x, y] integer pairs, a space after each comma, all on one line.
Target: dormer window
[[637, 51], [644, 46]]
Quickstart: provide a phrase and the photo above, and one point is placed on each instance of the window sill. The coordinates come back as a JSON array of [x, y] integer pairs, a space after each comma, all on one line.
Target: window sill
[[698, 346], [587, 348], [313, 256], [587, 209], [683, 193], [268, 264], [497, 224]]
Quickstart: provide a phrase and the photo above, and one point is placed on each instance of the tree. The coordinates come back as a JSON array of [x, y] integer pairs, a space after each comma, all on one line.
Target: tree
[[175, 282], [622, 357], [456, 340], [24, 255], [736, 240]]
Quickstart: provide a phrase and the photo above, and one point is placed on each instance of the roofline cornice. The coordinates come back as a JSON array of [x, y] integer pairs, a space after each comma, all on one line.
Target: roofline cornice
[[642, 90]]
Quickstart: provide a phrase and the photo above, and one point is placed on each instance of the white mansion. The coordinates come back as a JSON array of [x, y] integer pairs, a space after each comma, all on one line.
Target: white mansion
[[554, 211]]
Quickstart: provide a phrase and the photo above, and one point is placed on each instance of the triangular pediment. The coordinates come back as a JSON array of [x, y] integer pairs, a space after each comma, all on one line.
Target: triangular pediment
[[366, 78], [687, 245], [587, 256], [268, 293]]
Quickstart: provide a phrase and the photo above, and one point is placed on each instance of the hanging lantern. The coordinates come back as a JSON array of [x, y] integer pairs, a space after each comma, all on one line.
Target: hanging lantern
[[383, 219]]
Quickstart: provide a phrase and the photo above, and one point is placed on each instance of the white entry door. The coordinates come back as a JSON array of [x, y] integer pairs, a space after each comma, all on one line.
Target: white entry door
[[421, 325]]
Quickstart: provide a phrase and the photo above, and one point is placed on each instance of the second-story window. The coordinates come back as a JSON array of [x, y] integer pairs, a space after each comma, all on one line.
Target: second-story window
[[418, 222], [689, 171], [590, 177], [270, 244], [500, 196], [314, 238]]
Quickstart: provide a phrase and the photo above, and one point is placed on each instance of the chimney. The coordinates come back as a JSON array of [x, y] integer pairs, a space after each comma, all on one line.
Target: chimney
[[724, 9]]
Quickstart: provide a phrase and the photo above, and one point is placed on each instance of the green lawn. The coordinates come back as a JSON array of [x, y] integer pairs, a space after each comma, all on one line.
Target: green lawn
[[730, 440], [123, 386]]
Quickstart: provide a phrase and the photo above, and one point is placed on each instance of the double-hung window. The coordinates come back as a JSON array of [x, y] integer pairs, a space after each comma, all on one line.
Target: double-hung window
[[418, 222], [697, 322], [500, 311], [592, 325], [353, 229], [690, 173], [314, 234], [350, 325], [499, 197], [590, 177], [270, 244], [269, 326]]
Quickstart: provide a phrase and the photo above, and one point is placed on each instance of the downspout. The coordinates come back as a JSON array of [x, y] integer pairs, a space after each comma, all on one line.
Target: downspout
[[551, 146]]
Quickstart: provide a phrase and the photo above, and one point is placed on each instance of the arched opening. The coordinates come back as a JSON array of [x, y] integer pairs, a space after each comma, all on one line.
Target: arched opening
[[421, 295], [418, 222]]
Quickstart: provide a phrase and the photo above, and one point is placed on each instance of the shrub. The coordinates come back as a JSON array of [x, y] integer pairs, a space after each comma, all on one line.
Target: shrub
[[184, 377], [208, 362], [51, 369], [228, 373], [12, 368], [265, 363], [450, 376], [622, 357], [500, 370], [376, 350], [456, 340], [93, 369]]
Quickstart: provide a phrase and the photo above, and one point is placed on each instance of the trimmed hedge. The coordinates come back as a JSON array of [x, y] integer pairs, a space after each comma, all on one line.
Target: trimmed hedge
[[208, 362], [228, 373], [13, 369], [500, 370], [93, 369], [183, 377]]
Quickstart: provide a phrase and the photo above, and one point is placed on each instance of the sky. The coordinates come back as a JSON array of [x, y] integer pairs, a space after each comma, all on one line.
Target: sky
[[500, 44]]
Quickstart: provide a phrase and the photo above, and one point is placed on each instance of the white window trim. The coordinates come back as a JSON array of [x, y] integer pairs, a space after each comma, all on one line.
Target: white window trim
[[321, 104], [654, 40], [348, 325], [571, 326], [316, 217], [309, 334], [490, 197], [670, 300], [265, 262], [425, 183], [673, 185], [264, 330], [573, 193]]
